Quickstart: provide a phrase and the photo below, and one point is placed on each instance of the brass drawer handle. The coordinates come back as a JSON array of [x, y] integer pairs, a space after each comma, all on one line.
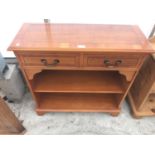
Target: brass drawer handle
[[108, 64], [118, 62], [55, 62]]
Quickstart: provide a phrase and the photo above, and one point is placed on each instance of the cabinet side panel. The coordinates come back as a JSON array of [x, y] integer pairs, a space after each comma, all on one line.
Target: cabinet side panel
[[25, 76], [143, 82]]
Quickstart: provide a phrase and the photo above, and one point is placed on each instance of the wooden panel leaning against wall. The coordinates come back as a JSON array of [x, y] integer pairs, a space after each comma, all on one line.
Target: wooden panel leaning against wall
[[9, 124]]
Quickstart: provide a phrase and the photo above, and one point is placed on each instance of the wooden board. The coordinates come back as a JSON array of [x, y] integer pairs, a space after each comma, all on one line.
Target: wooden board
[[70, 102], [9, 124], [153, 88], [80, 37], [78, 81], [145, 111], [142, 89], [150, 103], [143, 83]]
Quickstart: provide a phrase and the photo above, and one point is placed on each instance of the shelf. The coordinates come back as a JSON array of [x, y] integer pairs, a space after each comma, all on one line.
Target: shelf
[[147, 110], [72, 102], [150, 102], [78, 82]]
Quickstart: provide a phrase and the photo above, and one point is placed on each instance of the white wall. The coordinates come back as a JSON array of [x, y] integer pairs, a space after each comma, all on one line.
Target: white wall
[[15, 12]]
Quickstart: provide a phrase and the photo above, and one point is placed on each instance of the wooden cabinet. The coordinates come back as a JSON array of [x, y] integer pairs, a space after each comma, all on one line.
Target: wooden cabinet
[[79, 67], [142, 93]]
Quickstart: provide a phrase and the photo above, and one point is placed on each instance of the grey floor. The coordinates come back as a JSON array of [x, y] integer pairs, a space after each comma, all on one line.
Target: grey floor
[[80, 123]]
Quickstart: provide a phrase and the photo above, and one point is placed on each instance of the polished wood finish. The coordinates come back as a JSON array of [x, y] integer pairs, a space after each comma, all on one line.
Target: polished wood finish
[[80, 67], [112, 60], [9, 124], [142, 94], [70, 60], [77, 102], [80, 37], [78, 81]]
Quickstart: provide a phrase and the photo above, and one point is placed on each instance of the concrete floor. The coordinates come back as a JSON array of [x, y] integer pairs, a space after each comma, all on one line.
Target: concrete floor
[[80, 123]]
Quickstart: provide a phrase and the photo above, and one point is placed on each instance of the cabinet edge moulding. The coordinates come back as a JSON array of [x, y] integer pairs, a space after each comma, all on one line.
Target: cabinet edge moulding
[[31, 73]]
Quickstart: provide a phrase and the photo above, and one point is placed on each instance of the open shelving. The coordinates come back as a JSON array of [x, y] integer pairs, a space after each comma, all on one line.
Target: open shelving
[[78, 91], [63, 64], [77, 102], [78, 81]]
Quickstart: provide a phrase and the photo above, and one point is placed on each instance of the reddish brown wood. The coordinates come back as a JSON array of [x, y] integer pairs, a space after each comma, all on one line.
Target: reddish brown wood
[[77, 102], [9, 124], [142, 94], [66, 67], [97, 60], [70, 60], [153, 89], [78, 81], [80, 37]]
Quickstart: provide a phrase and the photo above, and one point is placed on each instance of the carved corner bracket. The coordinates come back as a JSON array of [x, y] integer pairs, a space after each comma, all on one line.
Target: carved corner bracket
[[31, 72], [128, 74]]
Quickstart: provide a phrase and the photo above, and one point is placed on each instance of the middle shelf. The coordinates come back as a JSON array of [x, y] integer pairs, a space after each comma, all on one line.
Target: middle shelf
[[78, 81]]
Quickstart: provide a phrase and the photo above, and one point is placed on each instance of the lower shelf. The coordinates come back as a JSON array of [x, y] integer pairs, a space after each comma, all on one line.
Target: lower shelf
[[70, 102], [147, 110], [150, 104]]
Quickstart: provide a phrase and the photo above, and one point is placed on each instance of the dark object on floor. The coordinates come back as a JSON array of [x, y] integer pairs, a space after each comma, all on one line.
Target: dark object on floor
[[152, 32], [3, 67]]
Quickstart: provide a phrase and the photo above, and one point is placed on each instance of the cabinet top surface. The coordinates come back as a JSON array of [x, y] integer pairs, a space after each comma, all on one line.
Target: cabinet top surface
[[80, 37]]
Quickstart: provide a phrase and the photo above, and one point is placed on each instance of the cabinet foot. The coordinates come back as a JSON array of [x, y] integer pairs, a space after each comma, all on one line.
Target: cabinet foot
[[114, 114], [135, 116], [40, 113]]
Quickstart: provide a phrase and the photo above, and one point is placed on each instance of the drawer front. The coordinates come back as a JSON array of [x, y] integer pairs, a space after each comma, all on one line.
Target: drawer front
[[52, 60], [112, 60]]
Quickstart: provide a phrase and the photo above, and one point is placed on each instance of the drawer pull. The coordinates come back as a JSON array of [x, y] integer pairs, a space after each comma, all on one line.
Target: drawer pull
[[55, 62], [118, 62], [107, 63]]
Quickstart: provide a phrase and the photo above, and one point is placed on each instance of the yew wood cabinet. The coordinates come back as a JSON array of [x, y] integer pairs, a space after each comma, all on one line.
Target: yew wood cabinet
[[80, 67]]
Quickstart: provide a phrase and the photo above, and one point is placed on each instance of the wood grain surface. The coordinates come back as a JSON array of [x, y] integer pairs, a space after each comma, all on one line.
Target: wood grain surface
[[80, 37]]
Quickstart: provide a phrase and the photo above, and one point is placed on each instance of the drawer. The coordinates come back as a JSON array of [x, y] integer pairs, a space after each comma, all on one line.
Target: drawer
[[52, 60], [112, 60]]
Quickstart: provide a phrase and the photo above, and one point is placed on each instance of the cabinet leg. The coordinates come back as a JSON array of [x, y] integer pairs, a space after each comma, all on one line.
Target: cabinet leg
[[114, 114], [40, 113], [135, 116]]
